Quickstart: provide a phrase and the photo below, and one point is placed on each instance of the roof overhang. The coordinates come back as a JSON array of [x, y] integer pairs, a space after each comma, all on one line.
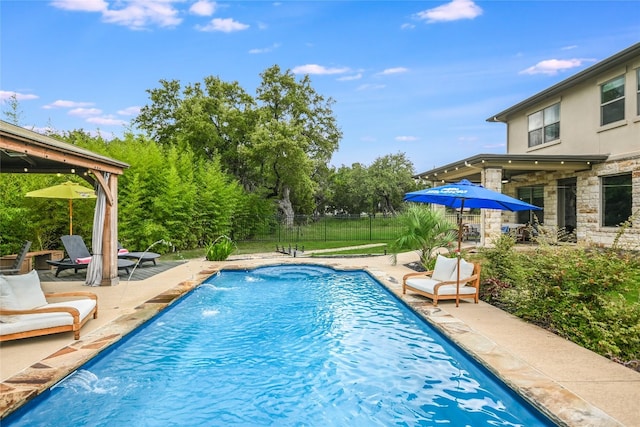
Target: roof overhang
[[25, 151], [554, 91], [511, 165]]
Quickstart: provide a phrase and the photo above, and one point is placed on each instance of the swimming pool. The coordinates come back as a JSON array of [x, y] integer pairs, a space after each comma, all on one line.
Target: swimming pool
[[285, 345]]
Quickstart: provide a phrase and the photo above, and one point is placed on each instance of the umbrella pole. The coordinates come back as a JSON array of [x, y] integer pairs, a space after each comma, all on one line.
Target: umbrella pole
[[459, 253], [70, 217]]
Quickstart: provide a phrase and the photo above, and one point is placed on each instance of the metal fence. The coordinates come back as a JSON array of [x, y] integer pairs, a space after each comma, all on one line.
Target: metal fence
[[306, 228]]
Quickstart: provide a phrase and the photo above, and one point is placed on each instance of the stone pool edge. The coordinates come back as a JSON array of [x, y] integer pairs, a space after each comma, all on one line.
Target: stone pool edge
[[19, 389], [559, 404]]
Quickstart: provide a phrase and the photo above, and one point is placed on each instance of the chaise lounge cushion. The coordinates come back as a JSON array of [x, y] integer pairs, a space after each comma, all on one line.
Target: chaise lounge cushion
[[466, 270], [444, 268], [428, 285], [30, 322], [20, 292], [26, 312]]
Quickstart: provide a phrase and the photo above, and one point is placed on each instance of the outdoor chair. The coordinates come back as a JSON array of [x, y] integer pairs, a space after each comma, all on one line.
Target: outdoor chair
[[139, 257], [440, 283], [25, 310], [79, 256], [17, 264]]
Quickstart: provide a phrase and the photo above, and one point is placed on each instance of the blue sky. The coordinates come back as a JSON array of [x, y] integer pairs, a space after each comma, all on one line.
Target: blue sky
[[418, 77]]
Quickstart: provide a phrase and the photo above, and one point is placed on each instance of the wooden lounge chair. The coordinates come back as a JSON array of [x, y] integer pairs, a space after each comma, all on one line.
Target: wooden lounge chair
[[441, 282], [79, 256], [17, 264], [25, 310]]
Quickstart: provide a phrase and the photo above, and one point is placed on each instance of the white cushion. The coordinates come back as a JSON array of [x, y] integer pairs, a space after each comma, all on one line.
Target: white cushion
[[29, 322], [428, 285], [466, 270], [7, 299], [27, 291], [443, 269]]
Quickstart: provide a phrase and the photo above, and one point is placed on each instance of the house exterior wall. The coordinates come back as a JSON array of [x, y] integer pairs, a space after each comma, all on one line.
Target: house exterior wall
[[589, 226], [581, 133], [580, 130]]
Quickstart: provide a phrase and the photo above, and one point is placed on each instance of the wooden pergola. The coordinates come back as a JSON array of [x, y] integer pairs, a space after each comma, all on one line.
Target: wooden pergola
[[23, 151]]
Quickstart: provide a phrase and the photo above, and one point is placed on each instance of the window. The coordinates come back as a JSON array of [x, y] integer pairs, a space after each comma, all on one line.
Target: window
[[544, 125], [535, 196], [616, 199], [638, 83], [612, 101]]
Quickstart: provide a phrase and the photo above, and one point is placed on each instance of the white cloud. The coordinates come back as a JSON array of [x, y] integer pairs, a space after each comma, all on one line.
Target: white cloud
[[453, 11], [266, 49], [67, 104], [553, 66], [407, 26], [6, 95], [136, 14], [130, 111], [318, 69], [107, 121], [140, 13], [406, 138], [227, 25], [396, 70], [352, 77], [203, 8], [85, 112], [370, 87], [81, 5]]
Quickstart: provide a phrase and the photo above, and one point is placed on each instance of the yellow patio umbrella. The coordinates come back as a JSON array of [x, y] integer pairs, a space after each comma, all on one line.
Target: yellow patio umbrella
[[68, 190]]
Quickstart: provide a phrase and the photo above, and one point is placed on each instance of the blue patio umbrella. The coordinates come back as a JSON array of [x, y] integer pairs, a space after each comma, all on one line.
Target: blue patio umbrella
[[465, 194]]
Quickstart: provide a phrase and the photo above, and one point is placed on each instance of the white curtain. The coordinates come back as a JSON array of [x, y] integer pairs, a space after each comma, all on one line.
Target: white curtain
[[94, 270]]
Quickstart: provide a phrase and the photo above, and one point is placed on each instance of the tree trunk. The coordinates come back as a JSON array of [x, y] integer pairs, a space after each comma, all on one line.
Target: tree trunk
[[285, 207]]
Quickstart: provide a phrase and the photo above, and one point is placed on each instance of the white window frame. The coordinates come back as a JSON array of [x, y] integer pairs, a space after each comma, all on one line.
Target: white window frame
[[638, 91], [542, 128], [605, 105]]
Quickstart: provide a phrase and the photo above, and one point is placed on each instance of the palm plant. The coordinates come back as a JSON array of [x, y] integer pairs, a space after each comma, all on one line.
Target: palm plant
[[424, 230]]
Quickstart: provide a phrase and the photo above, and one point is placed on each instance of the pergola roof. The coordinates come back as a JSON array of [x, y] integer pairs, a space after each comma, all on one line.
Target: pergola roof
[[511, 164], [25, 151]]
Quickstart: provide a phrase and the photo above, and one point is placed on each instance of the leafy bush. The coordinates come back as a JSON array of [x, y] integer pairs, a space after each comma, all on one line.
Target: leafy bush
[[576, 292], [220, 249]]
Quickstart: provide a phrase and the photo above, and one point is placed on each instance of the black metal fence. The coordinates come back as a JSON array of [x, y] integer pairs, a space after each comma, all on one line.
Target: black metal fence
[[306, 228]]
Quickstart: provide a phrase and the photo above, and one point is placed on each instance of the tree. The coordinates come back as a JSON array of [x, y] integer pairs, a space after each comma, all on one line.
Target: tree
[[391, 176], [296, 134], [351, 190], [13, 113], [273, 144]]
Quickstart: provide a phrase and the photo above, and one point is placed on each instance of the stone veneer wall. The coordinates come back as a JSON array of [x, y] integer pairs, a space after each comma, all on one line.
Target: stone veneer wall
[[491, 219], [588, 201]]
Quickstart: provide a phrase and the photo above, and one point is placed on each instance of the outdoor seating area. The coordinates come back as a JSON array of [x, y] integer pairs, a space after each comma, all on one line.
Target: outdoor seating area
[[441, 283], [25, 310], [79, 256]]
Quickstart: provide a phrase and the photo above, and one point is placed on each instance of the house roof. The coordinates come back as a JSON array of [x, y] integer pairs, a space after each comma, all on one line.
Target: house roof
[[553, 91], [25, 151], [512, 165]]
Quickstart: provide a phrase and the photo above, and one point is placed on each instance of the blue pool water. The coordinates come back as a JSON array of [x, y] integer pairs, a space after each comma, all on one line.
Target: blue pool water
[[284, 346]]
